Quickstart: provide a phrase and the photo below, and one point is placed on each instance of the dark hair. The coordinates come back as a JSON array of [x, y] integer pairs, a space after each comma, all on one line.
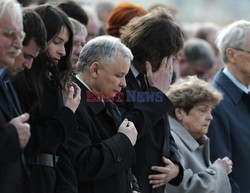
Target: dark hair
[[198, 51], [72, 9], [151, 38], [31, 82], [34, 28]]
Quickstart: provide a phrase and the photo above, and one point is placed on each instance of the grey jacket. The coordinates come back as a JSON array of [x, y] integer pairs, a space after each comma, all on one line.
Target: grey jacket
[[200, 175]]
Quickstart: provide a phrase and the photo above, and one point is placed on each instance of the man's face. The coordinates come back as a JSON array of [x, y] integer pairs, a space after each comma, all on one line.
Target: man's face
[[241, 66], [25, 59], [111, 77], [11, 36]]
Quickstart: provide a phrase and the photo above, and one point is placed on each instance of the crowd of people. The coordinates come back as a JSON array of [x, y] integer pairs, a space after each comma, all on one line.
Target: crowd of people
[[121, 99]]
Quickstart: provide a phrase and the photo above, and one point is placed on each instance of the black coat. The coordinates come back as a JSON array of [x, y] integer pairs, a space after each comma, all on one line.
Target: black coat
[[154, 138], [101, 156], [13, 172], [50, 128]]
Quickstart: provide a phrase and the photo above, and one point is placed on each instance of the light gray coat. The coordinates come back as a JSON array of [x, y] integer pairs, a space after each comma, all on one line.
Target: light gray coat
[[200, 175]]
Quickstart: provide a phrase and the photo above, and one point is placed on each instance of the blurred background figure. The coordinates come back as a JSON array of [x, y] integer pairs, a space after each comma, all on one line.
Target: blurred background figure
[[208, 32], [193, 100], [103, 9], [72, 9], [196, 58], [93, 25], [172, 10], [121, 15], [79, 39]]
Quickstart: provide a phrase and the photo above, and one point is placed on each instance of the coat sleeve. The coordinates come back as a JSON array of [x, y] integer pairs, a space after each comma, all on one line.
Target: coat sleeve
[[141, 113], [175, 158], [212, 179], [66, 178]]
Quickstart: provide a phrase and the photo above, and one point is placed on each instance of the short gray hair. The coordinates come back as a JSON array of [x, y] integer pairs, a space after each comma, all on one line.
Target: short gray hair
[[102, 49], [233, 36], [14, 9]]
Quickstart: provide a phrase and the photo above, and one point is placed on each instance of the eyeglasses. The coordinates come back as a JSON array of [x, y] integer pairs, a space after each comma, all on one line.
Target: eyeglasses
[[13, 35], [242, 50]]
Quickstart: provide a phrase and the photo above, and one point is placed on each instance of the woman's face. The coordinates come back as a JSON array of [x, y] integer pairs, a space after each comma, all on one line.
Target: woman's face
[[56, 47], [197, 120]]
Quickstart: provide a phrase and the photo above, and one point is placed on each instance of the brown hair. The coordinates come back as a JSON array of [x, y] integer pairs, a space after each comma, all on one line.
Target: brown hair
[[151, 38]]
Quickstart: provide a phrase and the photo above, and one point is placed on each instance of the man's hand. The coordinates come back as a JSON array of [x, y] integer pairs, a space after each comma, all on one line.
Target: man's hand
[[23, 128], [128, 128], [161, 79], [166, 173]]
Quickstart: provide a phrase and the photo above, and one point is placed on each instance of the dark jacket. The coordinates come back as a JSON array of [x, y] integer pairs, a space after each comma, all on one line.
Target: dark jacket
[[46, 152], [154, 138], [13, 172], [229, 132], [101, 156]]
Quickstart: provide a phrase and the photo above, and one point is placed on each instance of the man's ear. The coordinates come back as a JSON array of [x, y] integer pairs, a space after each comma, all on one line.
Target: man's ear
[[94, 69], [230, 55]]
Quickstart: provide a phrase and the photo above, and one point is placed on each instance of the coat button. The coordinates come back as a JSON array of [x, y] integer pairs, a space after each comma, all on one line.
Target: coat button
[[118, 158]]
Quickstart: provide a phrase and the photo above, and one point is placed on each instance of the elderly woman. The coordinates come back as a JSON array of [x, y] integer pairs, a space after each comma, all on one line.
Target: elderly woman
[[193, 100]]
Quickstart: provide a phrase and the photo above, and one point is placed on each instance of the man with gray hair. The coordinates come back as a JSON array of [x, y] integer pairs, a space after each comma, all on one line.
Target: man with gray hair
[[14, 129], [102, 151], [229, 131]]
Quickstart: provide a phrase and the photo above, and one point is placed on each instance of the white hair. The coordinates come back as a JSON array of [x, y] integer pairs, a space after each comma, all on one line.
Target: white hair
[[13, 9], [233, 36]]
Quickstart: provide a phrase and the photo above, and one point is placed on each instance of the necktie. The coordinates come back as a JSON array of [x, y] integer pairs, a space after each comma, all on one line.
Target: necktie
[[142, 80]]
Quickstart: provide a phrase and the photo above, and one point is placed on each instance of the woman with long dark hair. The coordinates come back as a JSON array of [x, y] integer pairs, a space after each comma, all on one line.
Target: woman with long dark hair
[[45, 92]]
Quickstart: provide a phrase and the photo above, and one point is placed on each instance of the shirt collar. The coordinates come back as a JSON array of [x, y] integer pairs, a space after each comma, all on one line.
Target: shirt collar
[[134, 71], [241, 86], [83, 82]]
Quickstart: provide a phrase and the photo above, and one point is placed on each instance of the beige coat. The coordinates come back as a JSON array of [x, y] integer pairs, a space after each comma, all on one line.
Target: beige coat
[[200, 175]]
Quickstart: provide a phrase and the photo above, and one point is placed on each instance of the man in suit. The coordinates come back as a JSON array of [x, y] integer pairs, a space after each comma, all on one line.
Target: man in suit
[[35, 39], [154, 40], [229, 131], [15, 132], [102, 150]]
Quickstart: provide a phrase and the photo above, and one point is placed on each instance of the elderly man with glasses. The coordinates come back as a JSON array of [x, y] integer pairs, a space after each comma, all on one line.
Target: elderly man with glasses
[[230, 129], [14, 129]]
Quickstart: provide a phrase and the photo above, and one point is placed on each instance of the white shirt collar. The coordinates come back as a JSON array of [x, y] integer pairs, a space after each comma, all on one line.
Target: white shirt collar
[[83, 82]]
